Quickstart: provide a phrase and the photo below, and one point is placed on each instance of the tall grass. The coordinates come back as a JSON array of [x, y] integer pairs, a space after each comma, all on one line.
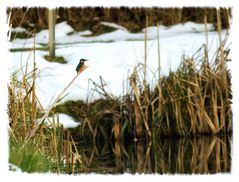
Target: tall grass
[[194, 100]]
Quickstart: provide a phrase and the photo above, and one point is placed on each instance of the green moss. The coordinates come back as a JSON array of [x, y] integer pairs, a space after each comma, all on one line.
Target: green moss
[[99, 29], [58, 59], [71, 33], [75, 109], [28, 49], [90, 42], [96, 41], [20, 35]]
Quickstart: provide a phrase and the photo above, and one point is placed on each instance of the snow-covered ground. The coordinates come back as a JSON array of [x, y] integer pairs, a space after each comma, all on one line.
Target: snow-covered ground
[[112, 56], [120, 34]]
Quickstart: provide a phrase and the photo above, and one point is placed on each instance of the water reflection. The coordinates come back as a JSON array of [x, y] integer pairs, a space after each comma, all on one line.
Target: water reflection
[[185, 155]]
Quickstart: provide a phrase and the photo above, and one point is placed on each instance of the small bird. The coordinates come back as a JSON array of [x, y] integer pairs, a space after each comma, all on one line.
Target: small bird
[[81, 65]]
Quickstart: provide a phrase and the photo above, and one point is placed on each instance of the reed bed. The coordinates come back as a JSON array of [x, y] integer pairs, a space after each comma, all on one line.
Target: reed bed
[[193, 100]]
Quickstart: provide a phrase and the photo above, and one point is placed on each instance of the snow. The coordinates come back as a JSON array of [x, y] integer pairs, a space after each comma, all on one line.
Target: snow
[[86, 32], [121, 34], [18, 29], [112, 56], [113, 25], [175, 30], [14, 168], [65, 120]]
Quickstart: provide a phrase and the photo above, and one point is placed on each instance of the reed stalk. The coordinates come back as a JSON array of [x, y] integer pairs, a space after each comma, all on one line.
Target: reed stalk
[[158, 45], [159, 73], [206, 35], [34, 103], [52, 105], [222, 65], [145, 51]]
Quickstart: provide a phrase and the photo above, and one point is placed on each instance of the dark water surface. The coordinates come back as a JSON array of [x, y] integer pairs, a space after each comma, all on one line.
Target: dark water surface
[[201, 155]]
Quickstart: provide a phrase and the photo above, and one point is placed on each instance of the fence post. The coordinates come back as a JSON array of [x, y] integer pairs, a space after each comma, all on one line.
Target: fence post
[[51, 24]]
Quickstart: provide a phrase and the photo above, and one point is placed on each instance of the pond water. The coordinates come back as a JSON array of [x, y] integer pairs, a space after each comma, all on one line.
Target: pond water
[[201, 155]]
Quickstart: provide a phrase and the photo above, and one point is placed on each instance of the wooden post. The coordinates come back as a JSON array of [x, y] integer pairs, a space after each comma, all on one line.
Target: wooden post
[[51, 24]]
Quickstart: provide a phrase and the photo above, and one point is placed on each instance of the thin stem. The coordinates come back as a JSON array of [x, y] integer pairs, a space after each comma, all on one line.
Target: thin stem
[[53, 104], [158, 43], [145, 50]]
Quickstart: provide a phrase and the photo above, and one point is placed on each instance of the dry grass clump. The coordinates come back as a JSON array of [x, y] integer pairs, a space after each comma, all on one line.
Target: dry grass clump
[[196, 100]]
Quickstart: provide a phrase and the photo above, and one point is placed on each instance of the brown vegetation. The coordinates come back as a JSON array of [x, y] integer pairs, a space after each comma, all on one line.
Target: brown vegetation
[[82, 18]]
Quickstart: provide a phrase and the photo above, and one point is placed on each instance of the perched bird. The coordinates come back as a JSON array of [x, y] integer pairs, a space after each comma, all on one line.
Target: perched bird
[[80, 66]]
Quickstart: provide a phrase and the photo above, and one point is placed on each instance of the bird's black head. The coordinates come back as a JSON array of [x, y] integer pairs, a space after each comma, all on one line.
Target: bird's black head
[[83, 60]]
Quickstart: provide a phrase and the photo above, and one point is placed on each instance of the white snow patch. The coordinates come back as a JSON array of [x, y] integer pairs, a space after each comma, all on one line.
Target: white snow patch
[[65, 120], [62, 29], [188, 27], [86, 32], [18, 29], [14, 168], [114, 25], [121, 34]]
